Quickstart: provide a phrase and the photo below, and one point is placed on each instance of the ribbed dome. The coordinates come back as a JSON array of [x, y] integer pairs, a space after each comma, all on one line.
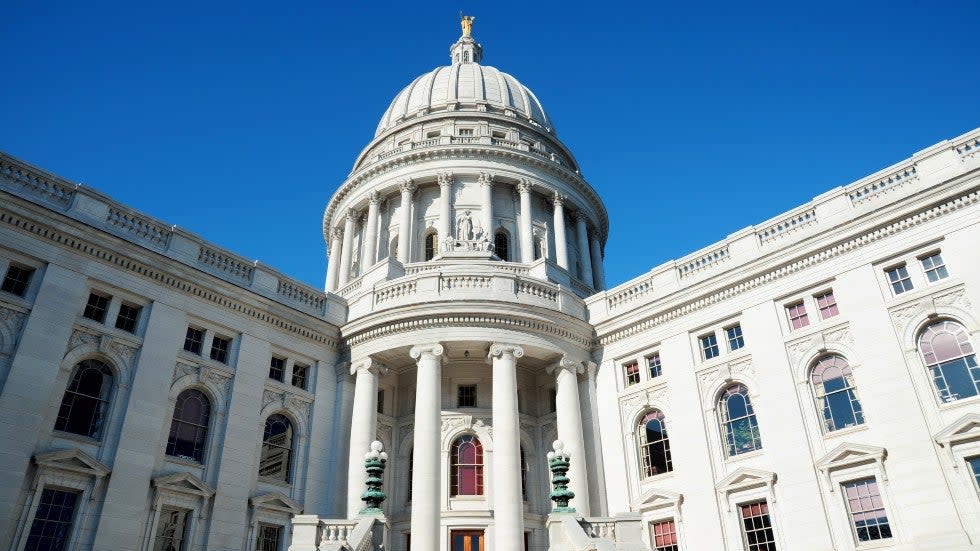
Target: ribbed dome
[[465, 87]]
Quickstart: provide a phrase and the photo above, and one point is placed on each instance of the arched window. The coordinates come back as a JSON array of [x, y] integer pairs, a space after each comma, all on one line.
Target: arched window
[[738, 421], [467, 466], [836, 395], [86, 400], [393, 248], [946, 349], [277, 447], [501, 246], [189, 428], [654, 444], [431, 245]]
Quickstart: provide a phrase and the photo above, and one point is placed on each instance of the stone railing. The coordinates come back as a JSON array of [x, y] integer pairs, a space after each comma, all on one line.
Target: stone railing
[[553, 157], [926, 169], [364, 533], [100, 213], [599, 527], [623, 532]]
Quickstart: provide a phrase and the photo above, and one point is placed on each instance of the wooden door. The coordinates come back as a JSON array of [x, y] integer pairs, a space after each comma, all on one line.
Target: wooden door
[[466, 540]]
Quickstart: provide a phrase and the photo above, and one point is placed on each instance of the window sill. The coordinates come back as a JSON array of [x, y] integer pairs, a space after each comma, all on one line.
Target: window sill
[[845, 431], [279, 385], [275, 482], [880, 544], [956, 404], [76, 437], [656, 478], [190, 357], [131, 339], [744, 456], [727, 357], [921, 292], [182, 461]]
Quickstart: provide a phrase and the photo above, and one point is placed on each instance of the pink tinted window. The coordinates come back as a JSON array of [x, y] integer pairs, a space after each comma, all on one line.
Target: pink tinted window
[[757, 527], [664, 536], [867, 510], [797, 315], [467, 468], [632, 372], [827, 305], [944, 341]]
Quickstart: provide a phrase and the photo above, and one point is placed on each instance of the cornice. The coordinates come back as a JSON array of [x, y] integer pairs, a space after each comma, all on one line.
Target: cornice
[[609, 336], [118, 260]]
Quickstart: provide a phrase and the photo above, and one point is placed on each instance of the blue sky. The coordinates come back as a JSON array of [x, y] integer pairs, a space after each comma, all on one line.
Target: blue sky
[[237, 121]]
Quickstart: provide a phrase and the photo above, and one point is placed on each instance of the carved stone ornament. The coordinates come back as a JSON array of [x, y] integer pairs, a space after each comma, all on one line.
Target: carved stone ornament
[[407, 186]]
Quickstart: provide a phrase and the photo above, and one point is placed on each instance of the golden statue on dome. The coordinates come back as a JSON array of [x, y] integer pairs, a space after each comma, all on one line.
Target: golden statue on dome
[[466, 22]]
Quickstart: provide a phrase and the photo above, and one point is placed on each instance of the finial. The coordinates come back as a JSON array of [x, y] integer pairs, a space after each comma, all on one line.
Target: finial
[[466, 23], [374, 463], [558, 462]]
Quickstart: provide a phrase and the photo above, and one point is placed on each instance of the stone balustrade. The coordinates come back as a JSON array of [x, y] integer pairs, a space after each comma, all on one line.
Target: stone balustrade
[[364, 533], [384, 154]]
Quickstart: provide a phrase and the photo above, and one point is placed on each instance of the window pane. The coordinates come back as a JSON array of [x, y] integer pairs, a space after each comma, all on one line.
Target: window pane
[[96, 307], [277, 445], [655, 457], [836, 396], [467, 467], [189, 428], [171, 530], [653, 363], [17, 280], [86, 400], [948, 353], [268, 538], [757, 528], [867, 510], [827, 305], [740, 428], [52, 521]]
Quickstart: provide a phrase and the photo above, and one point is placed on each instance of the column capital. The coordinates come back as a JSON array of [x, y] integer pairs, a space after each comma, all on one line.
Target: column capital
[[499, 349], [337, 233], [566, 364], [524, 186], [580, 216], [375, 197], [351, 215], [368, 364], [445, 179], [559, 199], [487, 178], [429, 349], [591, 368], [407, 186]]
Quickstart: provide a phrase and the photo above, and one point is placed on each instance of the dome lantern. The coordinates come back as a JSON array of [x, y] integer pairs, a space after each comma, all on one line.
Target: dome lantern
[[466, 49]]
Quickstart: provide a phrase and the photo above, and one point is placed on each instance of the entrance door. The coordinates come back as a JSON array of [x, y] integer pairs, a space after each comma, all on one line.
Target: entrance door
[[467, 540]]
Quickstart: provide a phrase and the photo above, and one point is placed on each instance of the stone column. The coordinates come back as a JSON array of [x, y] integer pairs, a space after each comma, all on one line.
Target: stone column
[[427, 463], [598, 274], [405, 221], [364, 427], [486, 185], [583, 247], [445, 207], [508, 504], [370, 249], [336, 241], [561, 246], [527, 235], [348, 248], [569, 419]]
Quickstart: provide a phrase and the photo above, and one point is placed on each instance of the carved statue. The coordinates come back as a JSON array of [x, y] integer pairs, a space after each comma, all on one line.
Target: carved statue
[[466, 22], [464, 227]]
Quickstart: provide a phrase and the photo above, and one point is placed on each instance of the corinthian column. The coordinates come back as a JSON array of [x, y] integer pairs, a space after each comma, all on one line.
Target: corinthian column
[[427, 464], [364, 427], [527, 235], [405, 221], [345, 254], [445, 205], [486, 185], [569, 419], [370, 255], [508, 503], [598, 273], [585, 257], [561, 246], [336, 240]]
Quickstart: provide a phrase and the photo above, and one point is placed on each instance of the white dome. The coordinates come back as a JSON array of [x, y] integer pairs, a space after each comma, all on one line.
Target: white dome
[[465, 87]]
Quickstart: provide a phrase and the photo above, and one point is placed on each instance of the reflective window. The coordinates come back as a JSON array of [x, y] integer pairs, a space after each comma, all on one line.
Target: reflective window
[[17, 279], [189, 428], [268, 538], [898, 278], [193, 340], [219, 349], [277, 447], [96, 307], [129, 314], [277, 368], [171, 530], [466, 475], [654, 445], [653, 364], [663, 535], [86, 400], [827, 305], [734, 336], [631, 373], [51, 527], [709, 346], [300, 375], [974, 463], [797, 315], [738, 422], [868, 518], [837, 398], [947, 352], [757, 527], [934, 267]]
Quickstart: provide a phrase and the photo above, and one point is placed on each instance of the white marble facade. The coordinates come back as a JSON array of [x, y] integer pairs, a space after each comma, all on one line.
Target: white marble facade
[[466, 325]]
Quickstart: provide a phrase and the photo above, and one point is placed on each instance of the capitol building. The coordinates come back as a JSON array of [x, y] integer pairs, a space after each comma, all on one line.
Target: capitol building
[[808, 383]]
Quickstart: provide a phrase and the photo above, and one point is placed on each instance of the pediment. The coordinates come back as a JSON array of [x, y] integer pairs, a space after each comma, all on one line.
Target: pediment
[[277, 501], [964, 429], [72, 460], [744, 478], [656, 499], [849, 455], [183, 483]]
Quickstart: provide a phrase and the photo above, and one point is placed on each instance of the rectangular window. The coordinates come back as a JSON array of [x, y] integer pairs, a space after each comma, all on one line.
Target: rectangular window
[[300, 374], [381, 401], [277, 368], [432, 134], [663, 535], [219, 349], [498, 134], [51, 527], [797, 315], [709, 346], [867, 510], [631, 372], [129, 315], [96, 307], [653, 364], [934, 267], [974, 463], [552, 400], [827, 305], [269, 537], [757, 528], [899, 279], [465, 131], [171, 529], [17, 280], [193, 340], [466, 396], [734, 336]]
